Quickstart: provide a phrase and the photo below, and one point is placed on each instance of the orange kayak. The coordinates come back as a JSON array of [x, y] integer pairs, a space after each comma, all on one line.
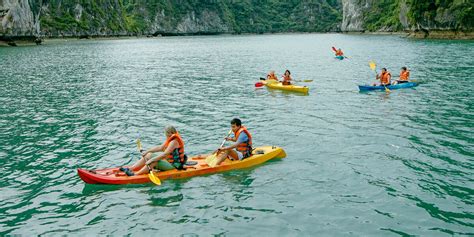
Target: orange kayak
[[114, 176]]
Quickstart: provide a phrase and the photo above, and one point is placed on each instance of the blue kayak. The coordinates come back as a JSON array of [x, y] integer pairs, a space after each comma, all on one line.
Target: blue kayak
[[339, 57], [391, 87]]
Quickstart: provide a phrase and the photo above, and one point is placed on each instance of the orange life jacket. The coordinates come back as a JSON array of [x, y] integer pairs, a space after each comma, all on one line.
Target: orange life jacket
[[286, 80], [404, 75], [177, 155], [270, 77], [385, 78], [339, 53], [245, 147]]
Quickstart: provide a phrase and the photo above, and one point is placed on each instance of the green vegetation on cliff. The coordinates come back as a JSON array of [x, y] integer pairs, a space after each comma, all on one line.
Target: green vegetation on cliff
[[421, 14], [383, 14], [121, 17], [455, 14]]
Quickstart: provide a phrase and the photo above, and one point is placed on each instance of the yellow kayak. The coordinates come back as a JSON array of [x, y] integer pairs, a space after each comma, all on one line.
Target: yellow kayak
[[273, 84]]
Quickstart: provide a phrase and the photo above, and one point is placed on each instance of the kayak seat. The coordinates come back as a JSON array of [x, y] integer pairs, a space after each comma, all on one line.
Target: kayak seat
[[191, 163]]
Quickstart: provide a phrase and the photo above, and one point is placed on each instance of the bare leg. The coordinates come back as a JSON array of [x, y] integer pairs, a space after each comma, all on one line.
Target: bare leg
[[145, 170], [223, 155], [139, 164]]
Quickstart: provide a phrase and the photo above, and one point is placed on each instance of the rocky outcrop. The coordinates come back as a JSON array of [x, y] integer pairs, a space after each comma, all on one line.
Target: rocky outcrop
[[17, 18], [428, 18], [67, 18], [352, 17]]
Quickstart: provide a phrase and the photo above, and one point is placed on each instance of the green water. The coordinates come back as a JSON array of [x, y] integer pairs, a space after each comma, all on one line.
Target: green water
[[358, 164]]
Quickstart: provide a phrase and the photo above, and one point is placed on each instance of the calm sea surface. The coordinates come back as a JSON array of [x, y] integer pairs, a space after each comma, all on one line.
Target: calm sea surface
[[358, 164]]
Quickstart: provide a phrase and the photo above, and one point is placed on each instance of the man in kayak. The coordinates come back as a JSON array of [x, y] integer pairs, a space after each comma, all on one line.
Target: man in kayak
[[339, 53], [173, 156], [242, 145], [271, 76], [404, 76], [384, 77], [286, 79]]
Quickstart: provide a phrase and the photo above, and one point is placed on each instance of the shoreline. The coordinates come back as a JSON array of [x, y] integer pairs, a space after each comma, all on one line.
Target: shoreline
[[10, 41]]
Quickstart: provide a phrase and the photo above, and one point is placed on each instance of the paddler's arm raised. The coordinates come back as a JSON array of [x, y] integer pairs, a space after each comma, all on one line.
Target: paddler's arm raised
[[171, 147]]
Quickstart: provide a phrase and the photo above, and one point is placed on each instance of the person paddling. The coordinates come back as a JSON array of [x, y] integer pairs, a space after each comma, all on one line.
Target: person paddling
[[271, 76], [173, 156], [339, 53], [241, 149], [384, 77], [286, 78], [404, 76]]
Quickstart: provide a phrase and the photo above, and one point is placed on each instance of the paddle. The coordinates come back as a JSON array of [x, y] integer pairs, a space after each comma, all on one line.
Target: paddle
[[152, 176], [373, 66], [212, 159], [260, 84]]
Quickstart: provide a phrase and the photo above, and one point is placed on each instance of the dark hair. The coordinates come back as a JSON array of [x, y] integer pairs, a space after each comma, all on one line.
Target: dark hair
[[384, 69], [288, 71], [236, 121], [404, 68]]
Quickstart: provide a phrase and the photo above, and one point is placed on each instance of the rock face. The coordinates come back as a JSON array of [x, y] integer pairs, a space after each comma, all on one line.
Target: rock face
[[58, 18], [17, 18], [408, 15], [353, 18]]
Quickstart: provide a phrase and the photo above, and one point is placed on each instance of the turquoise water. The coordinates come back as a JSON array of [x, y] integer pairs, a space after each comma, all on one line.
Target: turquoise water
[[358, 164]]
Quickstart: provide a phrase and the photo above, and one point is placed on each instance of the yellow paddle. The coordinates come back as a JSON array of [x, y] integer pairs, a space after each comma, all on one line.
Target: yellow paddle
[[212, 159], [373, 66], [152, 176]]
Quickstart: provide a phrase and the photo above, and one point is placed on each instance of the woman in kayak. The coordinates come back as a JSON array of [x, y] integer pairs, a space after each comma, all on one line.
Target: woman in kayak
[[384, 77], [286, 79], [173, 156], [404, 76], [271, 76]]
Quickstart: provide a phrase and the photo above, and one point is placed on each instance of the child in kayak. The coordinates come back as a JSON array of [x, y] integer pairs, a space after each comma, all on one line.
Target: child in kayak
[[286, 78], [173, 156], [404, 76], [384, 77]]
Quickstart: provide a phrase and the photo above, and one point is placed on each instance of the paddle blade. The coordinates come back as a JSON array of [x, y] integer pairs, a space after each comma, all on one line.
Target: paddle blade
[[154, 179], [372, 65], [212, 160], [387, 90], [307, 80], [258, 84], [139, 145], [334, 48]]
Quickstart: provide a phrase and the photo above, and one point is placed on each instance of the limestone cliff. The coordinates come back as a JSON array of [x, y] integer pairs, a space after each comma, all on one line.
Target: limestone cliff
[[58, 18], [425, 16], [17, 18]]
